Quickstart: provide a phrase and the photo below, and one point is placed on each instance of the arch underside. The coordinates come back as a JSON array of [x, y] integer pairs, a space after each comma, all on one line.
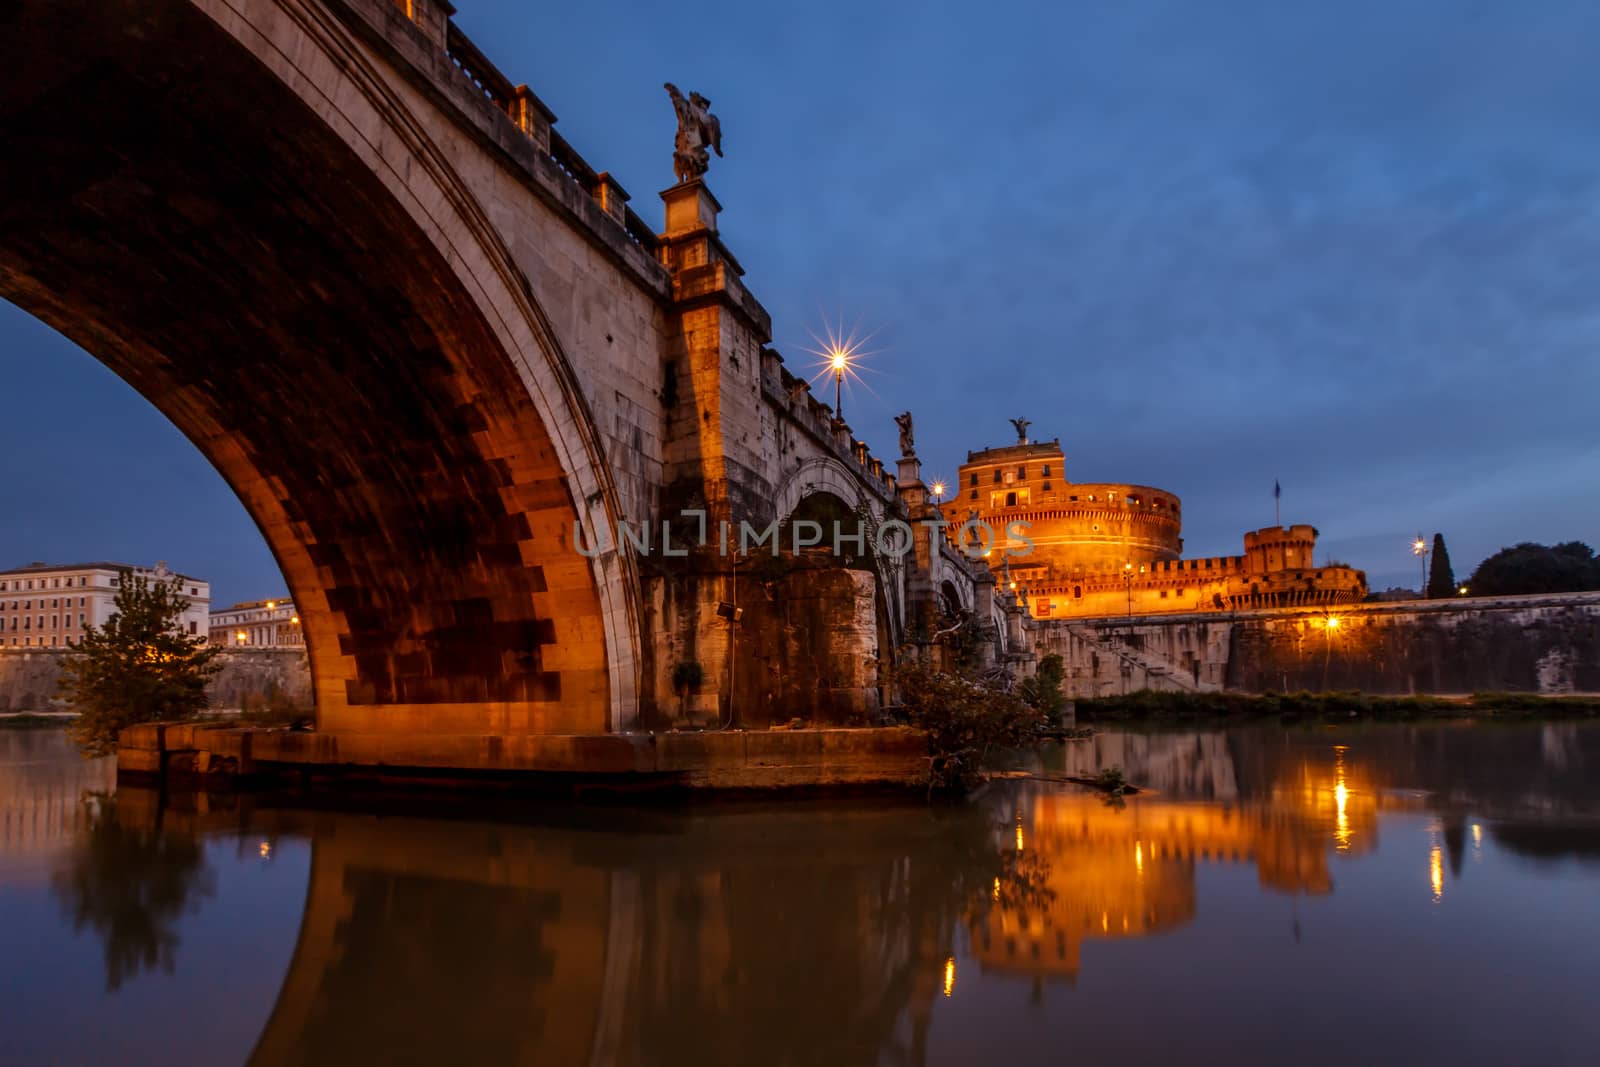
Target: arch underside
[[173, 207]]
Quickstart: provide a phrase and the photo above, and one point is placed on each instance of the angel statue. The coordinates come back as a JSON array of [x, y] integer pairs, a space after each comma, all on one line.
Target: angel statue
[[907, 444], [1021, 426], [697, 128]]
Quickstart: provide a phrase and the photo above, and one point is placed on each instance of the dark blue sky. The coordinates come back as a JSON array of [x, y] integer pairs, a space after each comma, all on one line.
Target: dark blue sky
[[1347, 246]]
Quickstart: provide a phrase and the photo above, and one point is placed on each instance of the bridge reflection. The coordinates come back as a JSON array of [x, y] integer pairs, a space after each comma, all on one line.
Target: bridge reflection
[[707, 939]]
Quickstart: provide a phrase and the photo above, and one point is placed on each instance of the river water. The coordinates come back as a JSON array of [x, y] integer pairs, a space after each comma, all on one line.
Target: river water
[[1360, 894]]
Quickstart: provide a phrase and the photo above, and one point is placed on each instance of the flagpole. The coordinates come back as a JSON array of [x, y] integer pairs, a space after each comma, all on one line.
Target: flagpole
[[1277, 503]]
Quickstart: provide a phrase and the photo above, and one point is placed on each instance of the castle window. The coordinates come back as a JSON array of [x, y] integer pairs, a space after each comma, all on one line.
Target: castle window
[[1022, 471], [1011, 500], [1074, 496], [1163, 594], [1077, 591], [972, 479], [1046, 472], [1047, 486], [973, 495], [997, 474]]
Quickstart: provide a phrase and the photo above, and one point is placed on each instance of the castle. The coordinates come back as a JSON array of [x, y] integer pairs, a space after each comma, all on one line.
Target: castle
[[1113, 548]]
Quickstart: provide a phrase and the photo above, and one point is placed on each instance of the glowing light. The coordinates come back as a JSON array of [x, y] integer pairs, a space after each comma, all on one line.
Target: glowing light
[[938, 491], [241, 636], [1477, 835], [1341, 801], [1418, 547], [1462, 591], [1138, 856], [1436, 872], [1105, 923], [271, 604], [265, 849], [1333, 622], [997, 889], [1019, 837], [841, 353], [949, 975], [294, 620]]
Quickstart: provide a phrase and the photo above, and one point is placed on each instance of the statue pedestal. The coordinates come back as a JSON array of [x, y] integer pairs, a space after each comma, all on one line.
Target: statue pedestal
[[690, 207], [908, 470]]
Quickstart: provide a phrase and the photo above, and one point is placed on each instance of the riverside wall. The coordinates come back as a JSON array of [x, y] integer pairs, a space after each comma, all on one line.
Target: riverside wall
[[1532, 644], [248, 679]]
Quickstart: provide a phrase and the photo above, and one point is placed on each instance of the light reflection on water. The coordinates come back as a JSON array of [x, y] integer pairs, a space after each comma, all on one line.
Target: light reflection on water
[[1317, 896]]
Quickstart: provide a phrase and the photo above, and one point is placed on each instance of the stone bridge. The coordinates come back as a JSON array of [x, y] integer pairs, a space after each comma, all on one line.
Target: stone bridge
[[443, 363]]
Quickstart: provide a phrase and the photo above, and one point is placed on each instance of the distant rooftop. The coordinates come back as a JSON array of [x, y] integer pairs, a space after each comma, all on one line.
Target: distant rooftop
[[100, 565], [246, 605], [1051, 447]]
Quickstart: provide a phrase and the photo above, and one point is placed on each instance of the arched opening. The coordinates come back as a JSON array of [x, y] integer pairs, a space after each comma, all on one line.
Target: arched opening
[[185, 216]]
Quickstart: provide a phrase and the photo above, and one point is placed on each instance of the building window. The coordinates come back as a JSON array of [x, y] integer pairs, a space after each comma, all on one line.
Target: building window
[[1163, 594], [1077, 591], [973, 495], [1047, 487], [972, 479], [191, 626], [1046, 472], [1022, 472], [1011, 500], [997, 475]]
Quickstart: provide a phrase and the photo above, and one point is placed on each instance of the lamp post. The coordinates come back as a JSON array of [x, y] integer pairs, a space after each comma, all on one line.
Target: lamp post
[[938, 491], [1127, 577], [841, 360], [1419, 548]]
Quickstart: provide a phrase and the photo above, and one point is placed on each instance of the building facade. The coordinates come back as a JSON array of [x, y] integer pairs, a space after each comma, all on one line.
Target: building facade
[[1093, 549], [258, 624], [47, 605]]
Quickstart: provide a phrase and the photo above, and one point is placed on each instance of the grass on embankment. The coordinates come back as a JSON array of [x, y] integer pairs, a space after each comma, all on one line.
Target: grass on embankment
[[27, 720], [1149, 705]]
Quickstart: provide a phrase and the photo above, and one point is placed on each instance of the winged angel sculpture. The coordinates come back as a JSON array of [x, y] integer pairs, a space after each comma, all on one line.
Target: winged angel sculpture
[[698, 129]]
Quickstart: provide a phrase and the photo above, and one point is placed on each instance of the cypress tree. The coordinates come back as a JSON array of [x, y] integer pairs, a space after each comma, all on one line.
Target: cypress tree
[[1441, 579]]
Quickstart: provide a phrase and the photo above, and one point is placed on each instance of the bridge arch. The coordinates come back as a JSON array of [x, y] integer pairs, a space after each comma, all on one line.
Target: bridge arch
[[235, 207], [824, 477]]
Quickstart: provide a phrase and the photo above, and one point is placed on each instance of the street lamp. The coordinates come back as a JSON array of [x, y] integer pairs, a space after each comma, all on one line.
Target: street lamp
[[1127, 576], [840, 359], [938, 491], [1419, 548]]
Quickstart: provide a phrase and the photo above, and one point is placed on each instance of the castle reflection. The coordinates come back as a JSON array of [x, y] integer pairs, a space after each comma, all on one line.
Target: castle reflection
[[1127, 870]]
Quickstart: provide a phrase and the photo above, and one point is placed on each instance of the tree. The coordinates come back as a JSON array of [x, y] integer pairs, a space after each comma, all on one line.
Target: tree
[[1441, 579], [966, 718], [138, 667], [1531, 568], [1043, 690]]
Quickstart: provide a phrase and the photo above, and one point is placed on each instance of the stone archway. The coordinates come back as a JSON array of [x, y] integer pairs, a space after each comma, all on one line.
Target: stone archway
[[228, 203]]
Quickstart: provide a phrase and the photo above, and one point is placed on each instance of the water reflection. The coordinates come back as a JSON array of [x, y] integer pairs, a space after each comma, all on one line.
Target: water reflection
[[829, 931], [129, 882], [873, 932]]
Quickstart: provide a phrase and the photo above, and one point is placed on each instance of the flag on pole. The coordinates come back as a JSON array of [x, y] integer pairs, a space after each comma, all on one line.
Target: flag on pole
[[1277, 490], [1277, 498]]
